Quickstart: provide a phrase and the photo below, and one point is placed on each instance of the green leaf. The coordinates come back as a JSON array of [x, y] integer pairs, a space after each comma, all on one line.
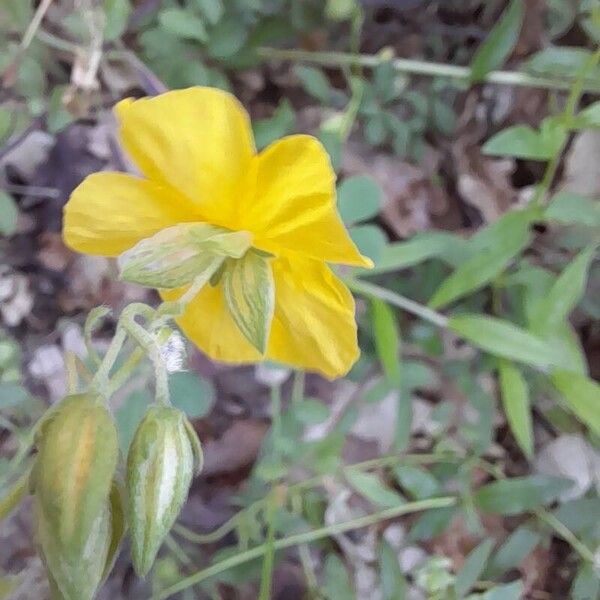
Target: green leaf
[[314, 82], [499, 43], [582, 396], [387, 341], [58, 116], [393, 583], [432, 523], [420, 484], [476, 273], [250, 295], [211, 9], [375, 129], [340, 10], [281, 123], [504, 339], [9, 213], [520, 494], [116, 13], [337, 580], [369, 239], [359, 199], [521, 141], [183, 24], [567, 207], [310, 411], [227, 38], [192, 394], [370, 486], [586, 584], [564, 295], [12, 394], [563, 61], [473, 568], [511, 554], [508, 591], [515, 399], [495, 247], [423, 246], [129, 415]]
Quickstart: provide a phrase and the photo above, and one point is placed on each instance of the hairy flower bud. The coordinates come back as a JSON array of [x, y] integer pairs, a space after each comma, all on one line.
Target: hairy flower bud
[[79, 522], [77, 577], [77, 458], [162, 458]]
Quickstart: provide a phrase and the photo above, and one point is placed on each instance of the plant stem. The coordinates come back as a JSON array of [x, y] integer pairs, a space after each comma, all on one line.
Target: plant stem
[[276, 418], [566, 534], [266, 576], [34, 25], [150, 345], [305, 538], [569, 113], [295, 488], [298, 387], [101, 378], [375, 291], [425, 68]]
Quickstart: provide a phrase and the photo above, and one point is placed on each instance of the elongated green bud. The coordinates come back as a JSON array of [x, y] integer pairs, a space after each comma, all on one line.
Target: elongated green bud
[[78, 577], [162, 458], [72, 477], [75, 577]]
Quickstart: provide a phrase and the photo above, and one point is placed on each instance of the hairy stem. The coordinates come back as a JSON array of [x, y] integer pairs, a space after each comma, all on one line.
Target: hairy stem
[[425, 68], [305, 538]]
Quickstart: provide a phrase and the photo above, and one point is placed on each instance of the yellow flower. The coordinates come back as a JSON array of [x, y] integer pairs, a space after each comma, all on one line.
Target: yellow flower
[[196, 153]]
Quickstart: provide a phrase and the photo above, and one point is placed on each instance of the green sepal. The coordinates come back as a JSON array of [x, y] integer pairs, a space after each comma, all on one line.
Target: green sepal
[[249, 291], [118, 523], [182, 254], [160, 467], [196, 447]]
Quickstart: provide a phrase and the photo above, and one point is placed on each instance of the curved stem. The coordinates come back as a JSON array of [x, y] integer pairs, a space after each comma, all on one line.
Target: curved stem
[[305, 538], [151, 346]]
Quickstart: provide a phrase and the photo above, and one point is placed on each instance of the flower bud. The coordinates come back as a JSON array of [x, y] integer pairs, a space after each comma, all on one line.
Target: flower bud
[[162, 458], [74, 577], [73, 473]]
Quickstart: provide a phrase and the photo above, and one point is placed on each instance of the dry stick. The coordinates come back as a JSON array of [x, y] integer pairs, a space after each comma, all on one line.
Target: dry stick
[[304, 538], [420, 67]]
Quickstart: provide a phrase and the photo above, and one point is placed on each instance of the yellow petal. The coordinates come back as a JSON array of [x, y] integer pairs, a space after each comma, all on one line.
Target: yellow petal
[[294, 206], [314, 326], [208, 324], [197, 140], [110, 212]]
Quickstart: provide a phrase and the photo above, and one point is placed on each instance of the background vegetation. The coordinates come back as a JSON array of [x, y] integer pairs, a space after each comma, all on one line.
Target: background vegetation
[[465, 136]]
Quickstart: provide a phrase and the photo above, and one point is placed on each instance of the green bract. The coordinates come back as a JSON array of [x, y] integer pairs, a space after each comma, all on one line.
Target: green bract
[[163, 456]]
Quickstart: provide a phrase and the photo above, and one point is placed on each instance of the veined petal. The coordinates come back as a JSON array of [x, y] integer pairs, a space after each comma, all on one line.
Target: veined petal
[[294, 203], [208, 323], [109, 213], [314, 326], [197, 140]]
